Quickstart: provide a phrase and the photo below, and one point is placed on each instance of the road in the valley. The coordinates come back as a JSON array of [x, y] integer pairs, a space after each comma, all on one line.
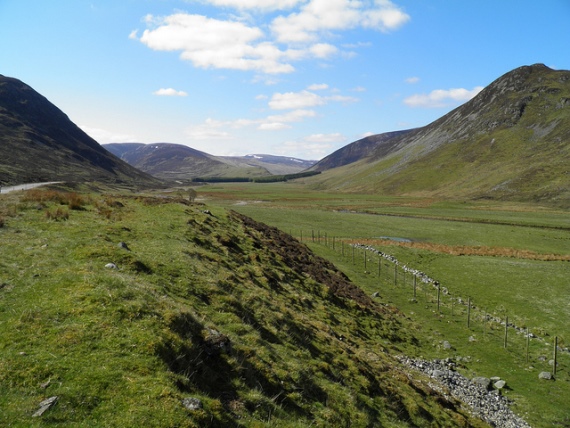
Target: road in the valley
[[7, 189]]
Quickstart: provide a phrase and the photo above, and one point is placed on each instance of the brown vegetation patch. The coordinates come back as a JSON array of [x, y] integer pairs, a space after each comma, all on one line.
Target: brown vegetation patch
[[302, 260], [466, 250]]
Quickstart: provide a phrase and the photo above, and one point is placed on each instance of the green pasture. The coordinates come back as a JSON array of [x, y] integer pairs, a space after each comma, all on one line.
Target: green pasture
[[532, 293]]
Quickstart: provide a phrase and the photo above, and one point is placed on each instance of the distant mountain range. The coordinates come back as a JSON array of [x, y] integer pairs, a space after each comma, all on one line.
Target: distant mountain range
[[178, 162], [39, 143], [511, 142]]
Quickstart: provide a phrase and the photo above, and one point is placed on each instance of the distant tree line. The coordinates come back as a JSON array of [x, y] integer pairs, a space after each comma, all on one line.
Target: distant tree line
[[265, 179]]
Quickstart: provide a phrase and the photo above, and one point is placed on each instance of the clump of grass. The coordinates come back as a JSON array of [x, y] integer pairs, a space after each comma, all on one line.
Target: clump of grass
[[71, 199], [57, 214]]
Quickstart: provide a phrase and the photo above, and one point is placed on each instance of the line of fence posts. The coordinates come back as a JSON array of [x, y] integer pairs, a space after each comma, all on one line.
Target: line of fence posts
[[438, 290]]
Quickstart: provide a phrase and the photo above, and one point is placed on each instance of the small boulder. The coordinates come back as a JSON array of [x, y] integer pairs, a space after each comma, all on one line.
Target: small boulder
[[192, 403], [483, 382], [500, 384], [111, 266], [545, 375], [446, 345], [123, 245]]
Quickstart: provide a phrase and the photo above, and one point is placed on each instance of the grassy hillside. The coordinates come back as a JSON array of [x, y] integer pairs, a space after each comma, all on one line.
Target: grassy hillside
[[128, 308], [511, 142], [510, 259]]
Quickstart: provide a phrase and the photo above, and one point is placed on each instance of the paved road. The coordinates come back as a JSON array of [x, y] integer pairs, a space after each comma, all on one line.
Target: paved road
[[7, 189]]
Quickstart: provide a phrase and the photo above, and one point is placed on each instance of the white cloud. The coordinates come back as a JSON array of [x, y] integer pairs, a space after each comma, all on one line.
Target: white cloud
[[412, 80], [442, 97], [169, 92], [103, 136], [234, 44], [211, 129], [211, 43], [257, 4], [295, 100], [322, 16], [304, 99], [318, 87], [314, 146]]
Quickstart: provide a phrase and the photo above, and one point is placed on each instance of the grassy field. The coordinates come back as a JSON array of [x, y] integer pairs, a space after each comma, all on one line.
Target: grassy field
[[511, 260], [123, 306]]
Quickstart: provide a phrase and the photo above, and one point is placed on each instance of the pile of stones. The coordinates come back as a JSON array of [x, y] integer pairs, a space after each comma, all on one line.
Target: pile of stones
[[481, 395]]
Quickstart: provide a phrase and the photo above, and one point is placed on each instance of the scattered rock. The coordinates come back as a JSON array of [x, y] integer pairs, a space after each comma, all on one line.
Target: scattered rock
[[490, 406], [472, 339], [111, 266], [45, 406], [483, 382], [446, 345], [500, 384], [545, 375], [124, 246], [376, 294], [216, 343], [192, 403]]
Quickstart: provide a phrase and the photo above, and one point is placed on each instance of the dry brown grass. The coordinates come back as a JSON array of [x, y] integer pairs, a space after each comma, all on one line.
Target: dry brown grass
[[466, 250]]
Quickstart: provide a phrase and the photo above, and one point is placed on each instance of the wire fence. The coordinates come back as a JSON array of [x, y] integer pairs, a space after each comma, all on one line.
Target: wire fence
[[418, 287]]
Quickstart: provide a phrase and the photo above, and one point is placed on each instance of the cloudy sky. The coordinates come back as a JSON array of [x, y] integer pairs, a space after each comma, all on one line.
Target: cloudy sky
[[298, 78]]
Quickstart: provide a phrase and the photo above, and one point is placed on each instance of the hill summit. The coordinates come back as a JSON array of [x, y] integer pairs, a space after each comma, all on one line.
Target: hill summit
[[511, 141]]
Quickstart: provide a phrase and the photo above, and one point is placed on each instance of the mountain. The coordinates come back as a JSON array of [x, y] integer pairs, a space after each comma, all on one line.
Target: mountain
[[278, 164], [511, 141], [179, 162], [167, 161], [361, 149], [38, 142]]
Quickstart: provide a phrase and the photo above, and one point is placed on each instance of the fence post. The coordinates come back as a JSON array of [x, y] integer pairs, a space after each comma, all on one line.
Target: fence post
[[415, 278], [468, 312], [395, 275], [506, 331], [527, 344], [555, 355], [365, 259]]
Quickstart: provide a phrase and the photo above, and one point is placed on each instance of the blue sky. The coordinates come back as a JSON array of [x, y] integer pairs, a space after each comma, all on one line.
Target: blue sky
[[296, 78]]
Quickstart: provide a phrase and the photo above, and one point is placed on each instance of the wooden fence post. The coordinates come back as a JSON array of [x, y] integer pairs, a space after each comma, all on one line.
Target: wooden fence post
[[506, 331], [555, 355], [527, 344]]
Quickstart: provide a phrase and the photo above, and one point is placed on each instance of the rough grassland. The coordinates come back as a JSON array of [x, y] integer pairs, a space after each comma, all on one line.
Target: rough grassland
[[510, 259], [201, 303]]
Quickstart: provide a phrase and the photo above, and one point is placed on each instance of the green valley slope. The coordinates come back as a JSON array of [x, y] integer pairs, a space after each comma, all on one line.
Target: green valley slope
[[512, 142], [154, 312]]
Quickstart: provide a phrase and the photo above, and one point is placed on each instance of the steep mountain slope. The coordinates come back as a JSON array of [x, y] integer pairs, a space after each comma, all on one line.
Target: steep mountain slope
[[205, 318], [179, 162], [512, 141], [38, 142], [363, 148]]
